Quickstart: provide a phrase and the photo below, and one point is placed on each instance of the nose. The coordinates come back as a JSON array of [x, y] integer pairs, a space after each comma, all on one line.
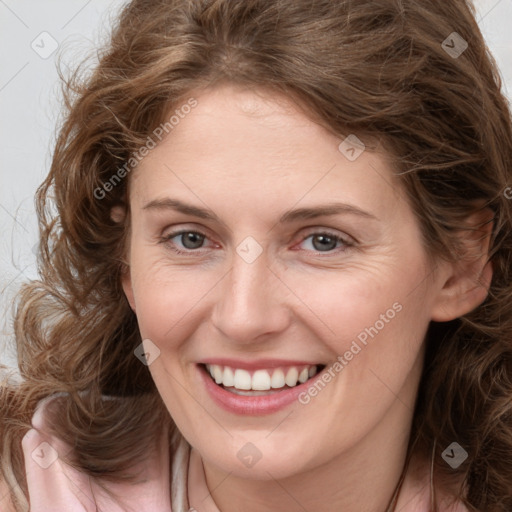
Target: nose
[[251, 304]]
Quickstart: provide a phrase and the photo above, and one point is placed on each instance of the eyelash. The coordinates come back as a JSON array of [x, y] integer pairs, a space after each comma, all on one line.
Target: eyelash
[[348, 244]]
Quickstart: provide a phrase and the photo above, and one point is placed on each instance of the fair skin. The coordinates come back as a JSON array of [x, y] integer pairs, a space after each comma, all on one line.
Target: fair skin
[[249, 158]]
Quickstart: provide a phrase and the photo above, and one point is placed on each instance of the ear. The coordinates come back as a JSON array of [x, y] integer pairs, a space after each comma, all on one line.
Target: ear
[[118, 214], [126, 283], [467, 283]]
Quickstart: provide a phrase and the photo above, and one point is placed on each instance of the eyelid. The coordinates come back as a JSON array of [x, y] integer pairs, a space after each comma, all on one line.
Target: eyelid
[[318, 230], [178, 229]]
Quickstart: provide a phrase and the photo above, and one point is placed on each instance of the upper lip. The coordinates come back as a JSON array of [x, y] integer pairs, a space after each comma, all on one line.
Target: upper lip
[[257, 364]]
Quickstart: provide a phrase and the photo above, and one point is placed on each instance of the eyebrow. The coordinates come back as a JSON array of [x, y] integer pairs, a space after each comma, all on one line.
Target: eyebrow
[[288, 217]]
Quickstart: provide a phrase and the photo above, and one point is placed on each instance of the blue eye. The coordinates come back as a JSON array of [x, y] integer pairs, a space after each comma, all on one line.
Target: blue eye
[[190, 241], [326, 242]]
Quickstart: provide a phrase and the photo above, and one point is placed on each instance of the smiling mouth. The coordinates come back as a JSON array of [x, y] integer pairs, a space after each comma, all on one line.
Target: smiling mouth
[[261, 382]]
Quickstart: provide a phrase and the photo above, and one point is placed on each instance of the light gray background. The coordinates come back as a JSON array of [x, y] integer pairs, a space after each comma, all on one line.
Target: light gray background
[[30, 105]]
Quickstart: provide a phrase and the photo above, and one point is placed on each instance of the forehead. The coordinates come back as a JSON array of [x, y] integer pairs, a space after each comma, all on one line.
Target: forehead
[[262, 146]]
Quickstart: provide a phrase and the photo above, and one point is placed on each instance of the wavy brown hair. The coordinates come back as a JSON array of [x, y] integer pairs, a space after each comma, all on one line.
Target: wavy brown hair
[[375, 68]]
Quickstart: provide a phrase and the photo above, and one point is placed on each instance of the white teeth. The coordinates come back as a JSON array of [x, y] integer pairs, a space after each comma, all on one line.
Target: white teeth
[[278, 379], [229, 377], [217, 374], [242, 379], [261, 380], [303, 376], [291, 377]]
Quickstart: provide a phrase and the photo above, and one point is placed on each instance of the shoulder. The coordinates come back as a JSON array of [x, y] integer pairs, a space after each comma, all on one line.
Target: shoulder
[[6, 504], [54, 484], [418, 493], [451, 504], [27, 454]]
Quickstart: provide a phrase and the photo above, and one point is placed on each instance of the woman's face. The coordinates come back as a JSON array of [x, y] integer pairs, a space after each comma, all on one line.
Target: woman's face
[[267, 249]]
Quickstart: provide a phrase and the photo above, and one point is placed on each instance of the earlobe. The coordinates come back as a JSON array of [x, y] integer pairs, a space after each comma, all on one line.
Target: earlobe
[[118, 213], [468, 283]]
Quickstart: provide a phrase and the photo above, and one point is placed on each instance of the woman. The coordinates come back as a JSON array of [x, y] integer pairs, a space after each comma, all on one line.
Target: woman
[[277, 274]]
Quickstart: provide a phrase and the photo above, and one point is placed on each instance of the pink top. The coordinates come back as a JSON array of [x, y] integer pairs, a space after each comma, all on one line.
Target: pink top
[[54, 486]]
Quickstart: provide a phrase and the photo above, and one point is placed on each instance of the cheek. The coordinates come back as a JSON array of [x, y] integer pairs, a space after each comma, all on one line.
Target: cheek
[[358, 304], [382, 340], [167, 299]]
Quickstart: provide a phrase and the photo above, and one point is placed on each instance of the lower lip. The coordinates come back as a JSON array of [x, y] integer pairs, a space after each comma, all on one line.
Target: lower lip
[[251, 405]]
